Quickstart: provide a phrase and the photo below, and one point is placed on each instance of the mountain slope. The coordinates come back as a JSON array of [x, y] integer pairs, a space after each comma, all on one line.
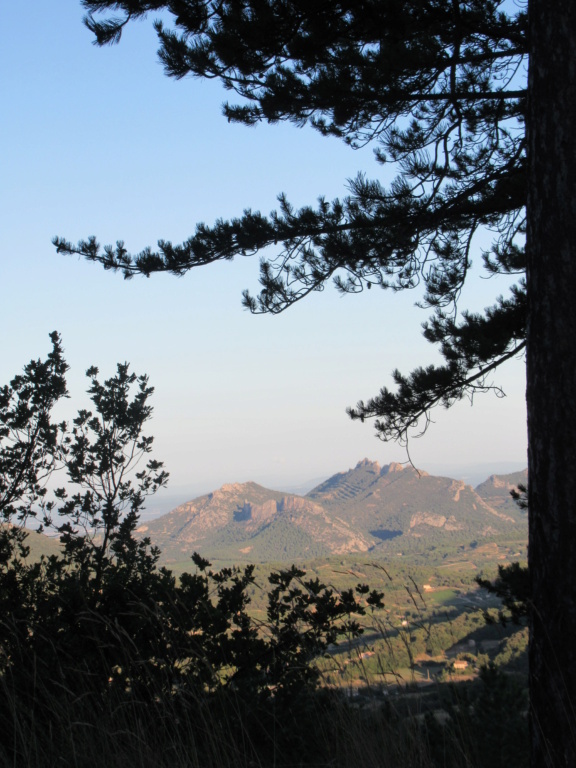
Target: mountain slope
[[248, 520], [496, 491], [366, 509], [398, 500]]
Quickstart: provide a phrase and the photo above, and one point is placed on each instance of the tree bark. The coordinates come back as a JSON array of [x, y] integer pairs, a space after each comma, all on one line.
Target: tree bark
[[551, 377]]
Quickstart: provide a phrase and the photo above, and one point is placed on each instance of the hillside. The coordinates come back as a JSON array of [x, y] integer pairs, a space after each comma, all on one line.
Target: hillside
[[496, 490], [398, 500], [368, 509], [241, 518]]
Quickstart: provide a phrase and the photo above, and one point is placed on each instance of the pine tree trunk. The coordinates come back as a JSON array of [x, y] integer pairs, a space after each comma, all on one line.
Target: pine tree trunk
[[551, 372]]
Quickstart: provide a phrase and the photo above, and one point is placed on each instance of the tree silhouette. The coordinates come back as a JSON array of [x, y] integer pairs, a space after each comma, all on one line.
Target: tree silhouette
[[439, 88], [99, 626]]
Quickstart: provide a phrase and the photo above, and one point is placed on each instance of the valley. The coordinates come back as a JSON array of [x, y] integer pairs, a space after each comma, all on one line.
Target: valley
[[418, 538]]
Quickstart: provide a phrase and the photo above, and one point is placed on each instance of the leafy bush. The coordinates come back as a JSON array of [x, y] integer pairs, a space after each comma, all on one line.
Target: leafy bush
[[489, 725], [107, 658], [99, 629]]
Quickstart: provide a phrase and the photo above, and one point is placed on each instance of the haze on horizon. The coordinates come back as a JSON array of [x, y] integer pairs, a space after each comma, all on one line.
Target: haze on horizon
[[99, 141]]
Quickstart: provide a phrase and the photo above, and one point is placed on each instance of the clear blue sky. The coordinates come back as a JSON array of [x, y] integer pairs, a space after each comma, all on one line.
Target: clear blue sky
[[99, 141]]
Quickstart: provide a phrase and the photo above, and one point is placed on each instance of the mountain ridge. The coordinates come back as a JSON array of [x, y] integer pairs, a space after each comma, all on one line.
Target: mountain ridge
[[366, 509]]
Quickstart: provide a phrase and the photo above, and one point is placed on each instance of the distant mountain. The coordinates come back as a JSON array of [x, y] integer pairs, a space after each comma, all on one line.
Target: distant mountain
[[240, 516], [399, 500], [368, 508], [496, 490]]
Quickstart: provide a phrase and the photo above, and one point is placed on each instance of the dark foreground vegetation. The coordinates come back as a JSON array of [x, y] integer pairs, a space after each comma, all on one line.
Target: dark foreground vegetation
[[107, 658]]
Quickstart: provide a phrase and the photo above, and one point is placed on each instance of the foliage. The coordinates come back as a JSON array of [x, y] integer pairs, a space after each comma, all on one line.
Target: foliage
[[513, 588], [104, 655], [439, 89], [31, 445], [512, 585], [62, 611], [513, 654], [520, 496], [99, 625], [490, 727]]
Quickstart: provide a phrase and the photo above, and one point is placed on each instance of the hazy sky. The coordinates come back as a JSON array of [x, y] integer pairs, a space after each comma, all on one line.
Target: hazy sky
[[99, 141]]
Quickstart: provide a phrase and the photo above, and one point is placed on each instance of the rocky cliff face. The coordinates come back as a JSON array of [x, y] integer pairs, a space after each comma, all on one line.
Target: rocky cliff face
[[373, 497], [238, 514], [495, 491], [193, 523]]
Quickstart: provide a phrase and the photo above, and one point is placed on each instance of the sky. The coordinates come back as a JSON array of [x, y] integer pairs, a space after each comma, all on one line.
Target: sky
[[99, 142]]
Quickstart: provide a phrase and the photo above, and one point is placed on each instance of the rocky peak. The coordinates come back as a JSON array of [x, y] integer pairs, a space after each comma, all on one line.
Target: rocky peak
[[231, 488], [366, 463], [395, 468], [388, 469]]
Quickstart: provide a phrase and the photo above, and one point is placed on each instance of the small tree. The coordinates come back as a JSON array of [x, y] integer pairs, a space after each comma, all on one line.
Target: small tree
[[512, 584], [105, 449], [31, 445], [61, 605], [441, 87], [100, 623]]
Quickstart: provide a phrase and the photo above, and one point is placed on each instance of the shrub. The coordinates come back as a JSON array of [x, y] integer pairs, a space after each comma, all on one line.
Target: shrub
[[98, 633]]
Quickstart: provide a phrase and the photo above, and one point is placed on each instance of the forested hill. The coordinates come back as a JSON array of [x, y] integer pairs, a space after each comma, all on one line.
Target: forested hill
[[369, 509]]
